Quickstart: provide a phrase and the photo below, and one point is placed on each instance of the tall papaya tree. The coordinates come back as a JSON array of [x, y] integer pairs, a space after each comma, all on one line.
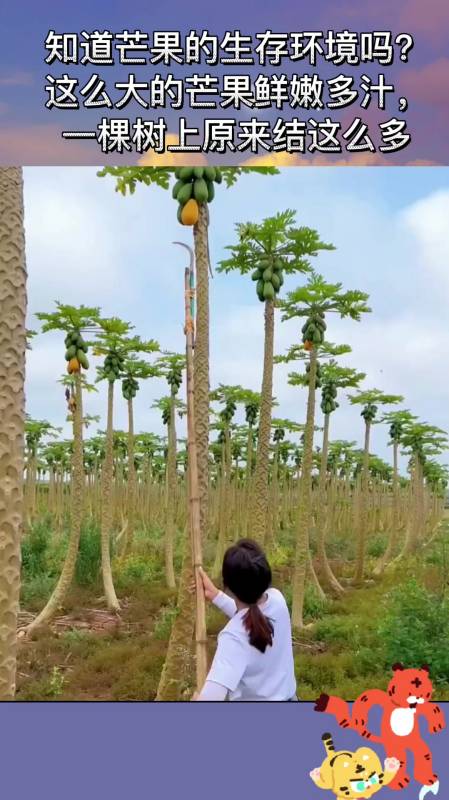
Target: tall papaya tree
[[13, 344], [193, 190], [228, 396], [369, 400], [171, 366], [312, 303], [35, 432], [396, 421], [270, 249], [421, 441], [135, 370], [74, 321], [252, 406], [113, 343], [169, 406]]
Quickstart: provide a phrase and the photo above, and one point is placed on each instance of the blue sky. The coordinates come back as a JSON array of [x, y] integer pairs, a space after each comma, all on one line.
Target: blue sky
[[87, 244]]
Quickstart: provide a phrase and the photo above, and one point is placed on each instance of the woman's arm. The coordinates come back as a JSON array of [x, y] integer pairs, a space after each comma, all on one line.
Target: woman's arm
[[218, 598], [225, 604], [212, 692]]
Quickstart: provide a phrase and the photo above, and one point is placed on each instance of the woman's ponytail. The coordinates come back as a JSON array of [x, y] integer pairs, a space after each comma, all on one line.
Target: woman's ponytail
[[260, 629]]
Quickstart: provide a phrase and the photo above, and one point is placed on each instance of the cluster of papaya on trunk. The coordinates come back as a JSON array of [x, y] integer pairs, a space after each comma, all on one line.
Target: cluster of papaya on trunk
[[76, 350], [194, 186]]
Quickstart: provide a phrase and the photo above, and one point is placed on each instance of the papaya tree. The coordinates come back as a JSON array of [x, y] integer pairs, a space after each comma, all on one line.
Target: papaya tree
[[421, 441], [13, 344], [270, 250], [171, 366], [135, 370], [369, 400], [35, 431], [252, 406], [195, 184], [312, 303], [396, 421], [73, 321], [115, 346], [229, 396], [169, 406]]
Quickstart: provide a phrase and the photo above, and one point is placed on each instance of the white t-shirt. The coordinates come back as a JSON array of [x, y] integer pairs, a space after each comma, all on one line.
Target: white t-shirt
[[239, 667]]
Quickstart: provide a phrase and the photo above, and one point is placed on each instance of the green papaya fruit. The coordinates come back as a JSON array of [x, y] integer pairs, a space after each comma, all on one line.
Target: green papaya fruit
[[178, 214], [177, 172], [268, 274], [210, 173], [218, 175], [281, 277], [259, 286], [278, 264], [210, 191], [276, 282], [71, 352], [82, 358], [268, 291], [257, 275], [186, 173], [176, 189], [198, 172], [185, 193], [200, 192]]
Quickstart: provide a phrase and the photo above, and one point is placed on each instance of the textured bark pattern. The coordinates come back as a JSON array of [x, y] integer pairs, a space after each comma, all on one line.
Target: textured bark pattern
[[170, 496], [328, 576], [259, 498], [305, 504], [107, 508], [76, 512], [363, 518], [132, 482], [201, 362], [394, 531], [12, 415], [176, 674]]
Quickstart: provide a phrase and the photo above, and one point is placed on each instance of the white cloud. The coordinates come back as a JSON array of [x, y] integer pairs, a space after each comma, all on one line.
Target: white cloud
[[427, 222]]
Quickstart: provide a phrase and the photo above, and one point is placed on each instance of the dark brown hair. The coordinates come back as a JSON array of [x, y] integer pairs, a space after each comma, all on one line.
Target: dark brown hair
[[247, 573]]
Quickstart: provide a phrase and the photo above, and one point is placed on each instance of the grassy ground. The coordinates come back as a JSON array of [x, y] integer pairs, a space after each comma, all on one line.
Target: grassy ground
[[88, 655]]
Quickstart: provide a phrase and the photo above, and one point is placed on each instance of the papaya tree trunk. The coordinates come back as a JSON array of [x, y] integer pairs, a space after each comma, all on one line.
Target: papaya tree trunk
[[76, 515], [176, 672], [13, 304], [305, 504], [394, 532], [194, 515], [363, 513], [259, 493], [171, 494], [132, 484], [106, 507], [201, 361], [325, 570]]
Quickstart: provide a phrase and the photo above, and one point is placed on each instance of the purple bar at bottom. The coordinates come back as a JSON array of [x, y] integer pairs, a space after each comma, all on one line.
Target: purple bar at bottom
[[79, 751]]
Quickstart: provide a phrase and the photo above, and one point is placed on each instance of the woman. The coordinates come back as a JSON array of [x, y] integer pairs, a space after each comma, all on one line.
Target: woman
[[254, 656]]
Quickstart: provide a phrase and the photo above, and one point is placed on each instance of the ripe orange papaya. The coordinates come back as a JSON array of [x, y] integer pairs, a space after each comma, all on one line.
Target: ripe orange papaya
[[308, 345], [190, 212], [73, 366]]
